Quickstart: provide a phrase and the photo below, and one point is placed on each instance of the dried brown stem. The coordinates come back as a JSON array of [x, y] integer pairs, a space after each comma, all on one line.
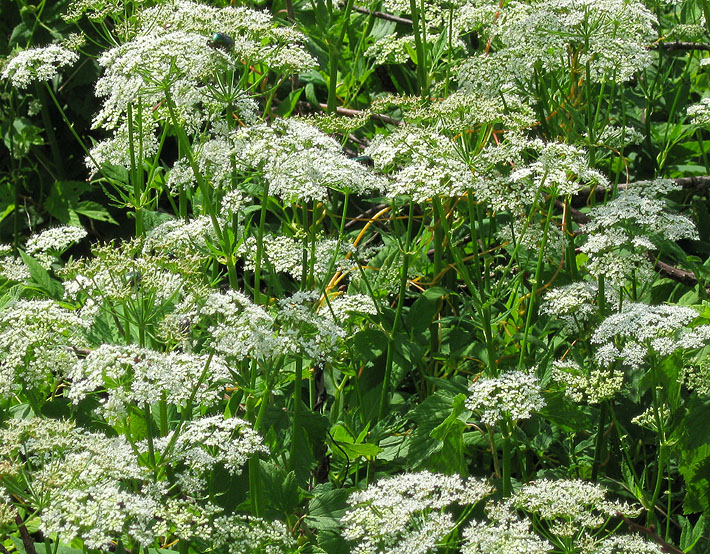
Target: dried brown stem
[[650, 532], [27, 541], [349, 112], [383, 15], [682, 45]]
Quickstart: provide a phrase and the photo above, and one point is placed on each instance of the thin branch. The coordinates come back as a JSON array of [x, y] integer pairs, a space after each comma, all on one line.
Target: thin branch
[[27, 541], [349, 112], [681, 45], [650, 532], [675, 273], [383, 15]]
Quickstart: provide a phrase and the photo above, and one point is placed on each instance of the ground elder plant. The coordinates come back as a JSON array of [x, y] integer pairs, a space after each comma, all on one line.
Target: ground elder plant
[[336, 277]]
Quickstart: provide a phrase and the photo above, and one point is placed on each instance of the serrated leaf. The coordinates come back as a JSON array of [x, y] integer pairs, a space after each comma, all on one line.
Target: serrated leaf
[[40, 277], [327, 508], [280, 488]]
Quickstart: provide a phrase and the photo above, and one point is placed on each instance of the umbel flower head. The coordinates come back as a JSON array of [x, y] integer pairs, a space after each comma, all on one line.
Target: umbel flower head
[[94, 487], [515, 394], [640, 330], [407, 514], [38, 64]]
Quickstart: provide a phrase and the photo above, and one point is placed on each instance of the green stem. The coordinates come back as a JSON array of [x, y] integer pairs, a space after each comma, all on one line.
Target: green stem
[[260, 246], [384, 396], [205, 191], [507, 460], [421, 53], [297, 401], [334, 55], [598, 447], [532, 304]]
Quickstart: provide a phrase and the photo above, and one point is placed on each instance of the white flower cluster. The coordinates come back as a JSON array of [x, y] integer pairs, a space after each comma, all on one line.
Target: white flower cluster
[[639, 330], [423, 163], [300, 162], [561, 167], [503, 533], [116, 150], [77, 474], [206, 442], [123, 273], [37, 338], [239, 329], [569, 512], [177, 237], [697, 375], [406, 514], [526, 238], [624, 227], [460, 111], [567, 506], [552, 166], [647, 418], [177, 54], [284, 254], [611, 36], [37, 64], [514, 394], [574, 304], [593, 385], [94, 488], [12, 268], [47, 245], [55, 240], [619, 136], [342, 306], [699, 113], [628, 544], [128, 375]]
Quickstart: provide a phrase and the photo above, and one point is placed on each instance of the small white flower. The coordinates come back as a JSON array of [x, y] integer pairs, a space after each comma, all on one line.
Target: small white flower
[[515, 394], [37, 64]]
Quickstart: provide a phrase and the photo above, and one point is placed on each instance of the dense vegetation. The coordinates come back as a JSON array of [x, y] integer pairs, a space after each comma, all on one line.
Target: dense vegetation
[[324, 276]]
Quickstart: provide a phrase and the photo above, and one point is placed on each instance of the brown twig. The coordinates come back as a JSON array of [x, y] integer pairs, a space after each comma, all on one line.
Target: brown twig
[[349, 112], [383, 15], [675, 273], [650, 532], [26, 539], [682, 45]]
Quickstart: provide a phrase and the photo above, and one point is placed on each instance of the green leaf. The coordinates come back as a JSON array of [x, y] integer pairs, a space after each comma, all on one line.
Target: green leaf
[[40, 547], [327, 508], [94, 210], [280, 488], [369, 344], [569, 416], [41, 278], [695, 468], [116, 173], [437, 443], [289, 103], [449, 458], [346, 445], [690, 534], [422, 312]]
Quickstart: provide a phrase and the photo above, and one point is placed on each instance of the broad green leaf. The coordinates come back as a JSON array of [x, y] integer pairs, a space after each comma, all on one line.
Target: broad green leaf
[[40, 277]]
